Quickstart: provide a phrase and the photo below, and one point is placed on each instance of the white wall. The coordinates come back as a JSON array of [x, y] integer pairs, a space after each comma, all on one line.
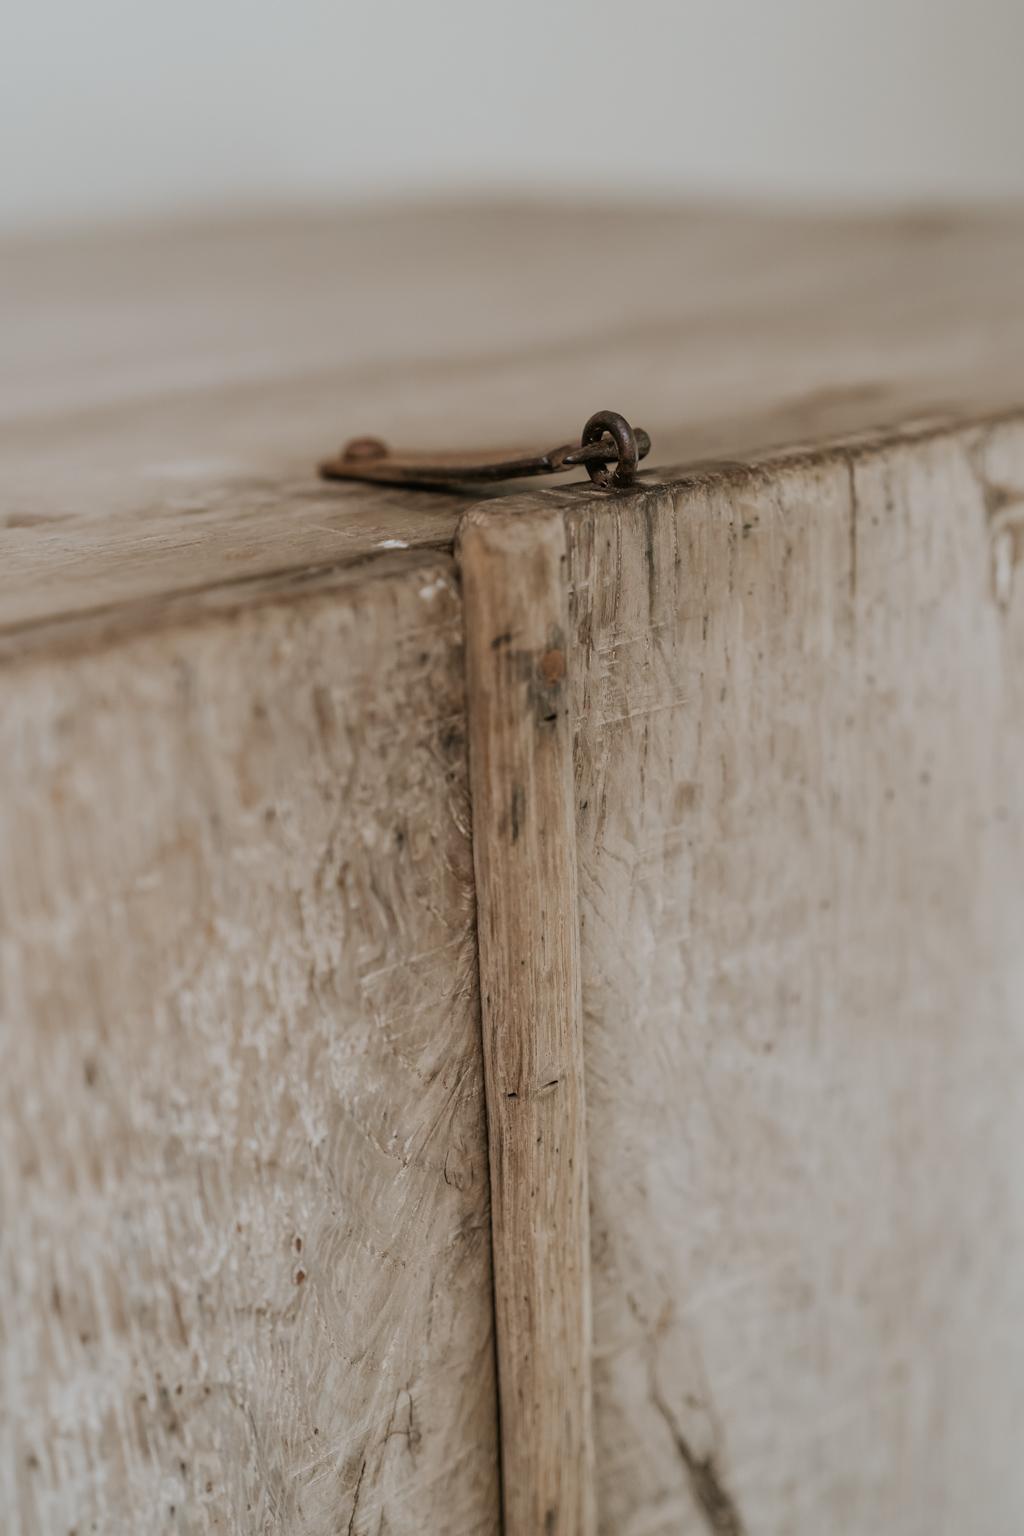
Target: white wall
[[111, 107]]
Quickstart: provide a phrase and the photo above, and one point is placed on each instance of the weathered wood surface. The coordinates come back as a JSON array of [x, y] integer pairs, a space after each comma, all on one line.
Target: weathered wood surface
[[164, 393], [245, 1238], [521, 777], [799, 713], [236, 912]]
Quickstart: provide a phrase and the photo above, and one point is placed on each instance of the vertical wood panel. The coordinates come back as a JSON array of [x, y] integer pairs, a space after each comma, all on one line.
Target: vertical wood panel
[[514, 585], [245, 1258], [800, 738]]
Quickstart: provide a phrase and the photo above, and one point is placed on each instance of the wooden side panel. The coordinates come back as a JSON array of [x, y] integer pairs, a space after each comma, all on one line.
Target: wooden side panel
[[799, 708], [524, 850], [246, 1250]]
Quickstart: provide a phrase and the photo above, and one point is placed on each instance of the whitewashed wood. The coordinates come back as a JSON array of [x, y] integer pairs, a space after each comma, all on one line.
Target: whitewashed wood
[[245, 1240], [787, 1337], [521, 775], [799, 712]]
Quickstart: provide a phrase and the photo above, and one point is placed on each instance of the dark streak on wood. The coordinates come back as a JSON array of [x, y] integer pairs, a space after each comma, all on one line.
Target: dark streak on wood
[[713, 1499]]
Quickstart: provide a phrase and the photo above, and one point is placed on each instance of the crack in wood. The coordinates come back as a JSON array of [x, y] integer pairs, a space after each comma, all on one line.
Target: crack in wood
[[713, 1499], [355, 1500]]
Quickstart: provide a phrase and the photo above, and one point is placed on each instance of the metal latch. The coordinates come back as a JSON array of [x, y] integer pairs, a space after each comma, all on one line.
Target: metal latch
[[609, 450]]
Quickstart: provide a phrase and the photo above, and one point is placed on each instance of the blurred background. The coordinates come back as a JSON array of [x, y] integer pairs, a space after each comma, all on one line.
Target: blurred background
[[113, 109]]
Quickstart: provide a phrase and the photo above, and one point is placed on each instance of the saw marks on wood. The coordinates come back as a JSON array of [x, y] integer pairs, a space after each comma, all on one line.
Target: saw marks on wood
[[246, 1249], [799, 714]]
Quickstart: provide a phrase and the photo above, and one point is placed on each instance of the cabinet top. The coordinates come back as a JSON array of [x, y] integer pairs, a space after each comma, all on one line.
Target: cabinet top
[[165, 393]]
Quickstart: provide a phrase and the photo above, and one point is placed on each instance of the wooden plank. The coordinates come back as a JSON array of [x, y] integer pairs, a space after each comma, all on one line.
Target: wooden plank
[[513, 573], [245, 1254], [798, 704], [165, 393]]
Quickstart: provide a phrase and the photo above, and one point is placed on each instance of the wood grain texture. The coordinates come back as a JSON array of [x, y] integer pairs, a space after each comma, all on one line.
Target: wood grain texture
[[245, 1239], [513, 574], [165, 393], [798, 704], [236, 911]]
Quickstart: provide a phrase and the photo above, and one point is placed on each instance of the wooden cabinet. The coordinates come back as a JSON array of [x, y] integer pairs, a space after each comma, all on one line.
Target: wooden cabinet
[[644, 870]]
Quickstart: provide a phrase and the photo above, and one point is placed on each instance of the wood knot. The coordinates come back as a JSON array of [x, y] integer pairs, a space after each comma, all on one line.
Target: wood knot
[[552, 667]]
